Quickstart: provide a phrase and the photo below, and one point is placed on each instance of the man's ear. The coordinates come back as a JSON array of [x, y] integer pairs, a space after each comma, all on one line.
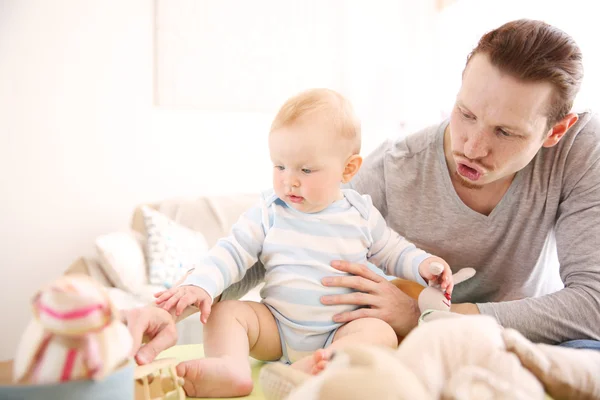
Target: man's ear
[[353, 164], [559, 129]]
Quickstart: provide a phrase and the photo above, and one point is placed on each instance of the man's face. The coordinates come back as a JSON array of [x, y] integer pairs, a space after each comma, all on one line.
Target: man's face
[[497, 125]]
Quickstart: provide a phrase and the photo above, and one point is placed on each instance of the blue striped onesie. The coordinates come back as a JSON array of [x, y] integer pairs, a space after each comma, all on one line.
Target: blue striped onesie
[[296, 250]]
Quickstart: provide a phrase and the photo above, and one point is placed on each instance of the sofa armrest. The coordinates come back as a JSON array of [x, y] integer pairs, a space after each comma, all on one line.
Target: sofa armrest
[[91, 268], [78, 266]]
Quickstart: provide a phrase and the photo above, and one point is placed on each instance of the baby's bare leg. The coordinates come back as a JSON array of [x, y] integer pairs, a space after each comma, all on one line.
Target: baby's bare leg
[[234, 330], [363, 330]]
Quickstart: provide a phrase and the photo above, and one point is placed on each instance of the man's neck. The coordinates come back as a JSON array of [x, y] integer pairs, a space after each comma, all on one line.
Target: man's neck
[[482, 200]]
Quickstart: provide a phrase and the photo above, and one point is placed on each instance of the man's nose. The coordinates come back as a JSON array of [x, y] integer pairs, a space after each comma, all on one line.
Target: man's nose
[[476, 145]]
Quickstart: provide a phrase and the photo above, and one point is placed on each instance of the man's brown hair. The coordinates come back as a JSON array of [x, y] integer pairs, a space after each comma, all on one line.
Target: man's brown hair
[[535, 51]]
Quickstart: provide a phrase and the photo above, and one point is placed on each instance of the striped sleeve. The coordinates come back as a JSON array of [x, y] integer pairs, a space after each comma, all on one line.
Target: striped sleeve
[[229, 260], [393, 253], [254, 276]]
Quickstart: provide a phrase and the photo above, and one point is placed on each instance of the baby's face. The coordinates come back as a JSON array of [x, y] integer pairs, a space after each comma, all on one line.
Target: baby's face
[[308, 162]]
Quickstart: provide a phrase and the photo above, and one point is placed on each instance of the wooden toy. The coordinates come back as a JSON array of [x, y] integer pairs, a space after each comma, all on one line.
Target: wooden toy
[[158, 381]]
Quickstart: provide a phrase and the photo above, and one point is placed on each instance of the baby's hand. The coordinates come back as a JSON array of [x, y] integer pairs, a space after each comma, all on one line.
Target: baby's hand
[[436, 270], [183, 296]]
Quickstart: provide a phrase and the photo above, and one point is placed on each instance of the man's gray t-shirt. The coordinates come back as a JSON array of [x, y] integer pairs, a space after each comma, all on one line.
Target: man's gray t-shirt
[[553, 203]]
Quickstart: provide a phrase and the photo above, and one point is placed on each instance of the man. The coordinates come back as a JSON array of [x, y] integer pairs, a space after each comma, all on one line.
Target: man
[[515, 177]]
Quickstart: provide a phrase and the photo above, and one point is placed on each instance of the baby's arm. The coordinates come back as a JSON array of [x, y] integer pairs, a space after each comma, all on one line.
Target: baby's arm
[[225, 263], [398, 257], [181, 297]]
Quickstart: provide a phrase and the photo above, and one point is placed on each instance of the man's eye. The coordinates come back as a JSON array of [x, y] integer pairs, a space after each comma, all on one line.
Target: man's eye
[[502, 132], [306, 170]]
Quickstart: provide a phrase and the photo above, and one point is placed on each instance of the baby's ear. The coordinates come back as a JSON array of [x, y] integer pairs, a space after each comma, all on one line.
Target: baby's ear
[[353, 164]]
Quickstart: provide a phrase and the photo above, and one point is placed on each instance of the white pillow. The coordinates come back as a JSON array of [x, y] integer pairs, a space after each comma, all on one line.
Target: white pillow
[[121, 256], [171, 248]]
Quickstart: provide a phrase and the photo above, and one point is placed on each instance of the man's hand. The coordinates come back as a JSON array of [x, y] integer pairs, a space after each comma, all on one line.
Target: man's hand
[[378, 297], [154, 324]]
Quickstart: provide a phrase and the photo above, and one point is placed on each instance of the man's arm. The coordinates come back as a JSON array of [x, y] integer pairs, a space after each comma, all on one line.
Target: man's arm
[[573, 312], [465, 308]]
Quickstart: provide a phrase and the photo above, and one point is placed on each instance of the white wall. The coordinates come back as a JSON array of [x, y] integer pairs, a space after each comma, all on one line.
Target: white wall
[[81, 145], [376, 53]]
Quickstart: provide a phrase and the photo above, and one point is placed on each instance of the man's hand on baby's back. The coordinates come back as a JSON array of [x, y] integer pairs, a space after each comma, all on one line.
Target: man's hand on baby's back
[[375, 296]]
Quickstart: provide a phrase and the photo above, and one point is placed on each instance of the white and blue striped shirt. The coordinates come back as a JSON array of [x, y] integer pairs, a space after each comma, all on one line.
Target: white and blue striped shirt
[[296, 250]]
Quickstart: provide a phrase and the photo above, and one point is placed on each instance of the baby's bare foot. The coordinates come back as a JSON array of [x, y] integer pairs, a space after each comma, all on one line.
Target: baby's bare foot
[[314, 363], [216, 377]]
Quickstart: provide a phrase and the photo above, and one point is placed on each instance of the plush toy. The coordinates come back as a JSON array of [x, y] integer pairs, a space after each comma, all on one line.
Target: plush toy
[[470, 358], [75, 333], [432, 297]]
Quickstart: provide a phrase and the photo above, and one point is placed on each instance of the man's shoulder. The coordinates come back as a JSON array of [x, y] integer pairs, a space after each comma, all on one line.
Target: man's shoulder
[[588, 125], [392, 167], [576, 155], [584, 137], [416, 143]]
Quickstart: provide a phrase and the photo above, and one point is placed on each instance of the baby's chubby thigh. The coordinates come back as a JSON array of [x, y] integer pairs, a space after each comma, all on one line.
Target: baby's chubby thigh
[[234, 330], [246, 322]]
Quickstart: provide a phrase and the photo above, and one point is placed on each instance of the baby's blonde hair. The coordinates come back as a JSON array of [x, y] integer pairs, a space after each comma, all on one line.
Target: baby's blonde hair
[[325, 102]]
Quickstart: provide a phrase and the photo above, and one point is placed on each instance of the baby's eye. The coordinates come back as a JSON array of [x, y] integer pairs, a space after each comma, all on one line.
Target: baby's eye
[[306, 170], [280, 167], [466, 115]]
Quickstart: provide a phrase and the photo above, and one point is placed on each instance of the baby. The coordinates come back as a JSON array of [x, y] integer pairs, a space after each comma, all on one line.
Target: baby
[[296, 230]]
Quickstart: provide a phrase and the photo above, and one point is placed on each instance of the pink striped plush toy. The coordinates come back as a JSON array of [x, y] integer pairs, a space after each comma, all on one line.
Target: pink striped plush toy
[[75, 333]]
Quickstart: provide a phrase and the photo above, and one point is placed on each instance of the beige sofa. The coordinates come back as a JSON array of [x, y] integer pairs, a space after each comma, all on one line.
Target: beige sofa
[[213, 216]]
